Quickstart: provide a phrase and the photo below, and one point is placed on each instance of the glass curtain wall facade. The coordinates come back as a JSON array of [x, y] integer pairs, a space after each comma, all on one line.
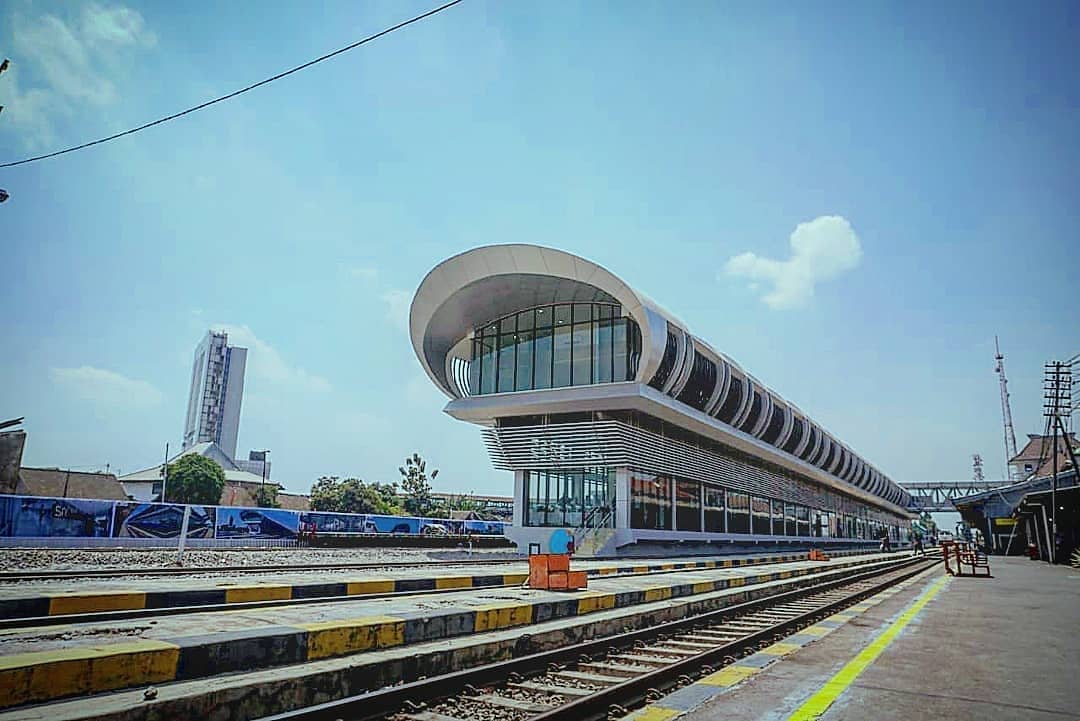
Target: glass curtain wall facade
[[570, 498], [554, 346], [659, 502]]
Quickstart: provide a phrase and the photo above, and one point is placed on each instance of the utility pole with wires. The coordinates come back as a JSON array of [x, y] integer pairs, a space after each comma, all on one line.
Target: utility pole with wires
[[1006, 413], [1057, 403]]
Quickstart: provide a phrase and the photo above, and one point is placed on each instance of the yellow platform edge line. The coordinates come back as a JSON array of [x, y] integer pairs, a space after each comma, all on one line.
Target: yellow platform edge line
[[817, 704]]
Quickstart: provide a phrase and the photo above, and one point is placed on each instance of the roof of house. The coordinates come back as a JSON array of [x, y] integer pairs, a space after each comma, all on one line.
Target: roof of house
[[60, 483], [294, 501], [1041, 447], [209, 450]]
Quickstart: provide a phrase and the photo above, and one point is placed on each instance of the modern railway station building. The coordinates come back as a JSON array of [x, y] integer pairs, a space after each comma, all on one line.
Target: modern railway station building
[[622, 427]]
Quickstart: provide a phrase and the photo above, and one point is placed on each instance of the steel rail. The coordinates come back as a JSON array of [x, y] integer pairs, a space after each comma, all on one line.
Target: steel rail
[[387, 701], [137, 613]]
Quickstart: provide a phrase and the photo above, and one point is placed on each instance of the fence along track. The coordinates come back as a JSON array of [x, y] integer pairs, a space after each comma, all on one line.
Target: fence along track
[[603, 678], [76, 574]]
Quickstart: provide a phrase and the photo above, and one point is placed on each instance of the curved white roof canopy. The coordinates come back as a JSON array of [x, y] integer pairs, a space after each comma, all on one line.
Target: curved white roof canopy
[[484, 284]]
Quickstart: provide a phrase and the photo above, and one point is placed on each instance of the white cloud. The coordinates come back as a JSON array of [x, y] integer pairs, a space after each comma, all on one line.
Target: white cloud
[[75, 62], [821, 249], [364, 273], [106, 388], [266, 364], [397, 307]]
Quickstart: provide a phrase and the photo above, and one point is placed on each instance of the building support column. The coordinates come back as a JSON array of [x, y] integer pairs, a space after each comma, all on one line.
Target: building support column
[[622, 497], [520, 500]]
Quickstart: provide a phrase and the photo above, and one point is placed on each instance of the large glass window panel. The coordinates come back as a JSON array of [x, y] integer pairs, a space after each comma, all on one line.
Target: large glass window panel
[[524, 361], [778, 518], [582, 353], [541, 505], [738, 519], [602, 350], [687, 506], [571, 498], [507, 325], [525, 319], [544, 317], [487, 364], [619, 350], [650, 501], [790, 524], [506, 363], [474, 368], [582, 312], [560, 377], [803, 514], [562, 315], [761, 516], [542, 358], [714, 510], [599, 497]]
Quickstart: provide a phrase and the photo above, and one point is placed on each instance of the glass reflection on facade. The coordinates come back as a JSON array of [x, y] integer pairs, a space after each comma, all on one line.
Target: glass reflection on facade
[[554, 346], [570, 498], [687, 506], [659, 502], [738, 520], [650, 501]]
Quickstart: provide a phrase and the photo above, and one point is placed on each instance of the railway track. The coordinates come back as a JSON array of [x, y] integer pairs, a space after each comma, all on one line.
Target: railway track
[[144, 613], [79, 574], [605, 678]]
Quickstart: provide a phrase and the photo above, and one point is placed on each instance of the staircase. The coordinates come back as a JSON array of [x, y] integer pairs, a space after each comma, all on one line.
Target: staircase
[[594, 536]]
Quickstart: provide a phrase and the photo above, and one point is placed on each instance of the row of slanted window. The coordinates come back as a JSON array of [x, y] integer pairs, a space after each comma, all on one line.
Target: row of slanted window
[[663, 503], [555, 346]]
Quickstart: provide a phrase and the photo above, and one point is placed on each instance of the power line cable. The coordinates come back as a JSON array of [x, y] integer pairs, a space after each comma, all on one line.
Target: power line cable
[[241, 91]]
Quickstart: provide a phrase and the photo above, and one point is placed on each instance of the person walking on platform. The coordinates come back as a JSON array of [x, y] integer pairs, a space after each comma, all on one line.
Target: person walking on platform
[[886, 547], [917, 548]]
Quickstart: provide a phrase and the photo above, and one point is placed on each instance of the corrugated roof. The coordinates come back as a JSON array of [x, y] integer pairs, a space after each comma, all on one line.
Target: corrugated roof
[[59, 483]]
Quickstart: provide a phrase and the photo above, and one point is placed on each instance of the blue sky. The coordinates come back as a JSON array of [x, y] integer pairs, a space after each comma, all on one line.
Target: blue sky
[[932, 154]]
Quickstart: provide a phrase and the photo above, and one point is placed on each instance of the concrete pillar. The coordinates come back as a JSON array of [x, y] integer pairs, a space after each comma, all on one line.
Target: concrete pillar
[[520, 499], [622, 497]]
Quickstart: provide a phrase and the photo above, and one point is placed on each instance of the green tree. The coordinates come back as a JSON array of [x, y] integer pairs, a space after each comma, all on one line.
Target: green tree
[[352, 495], [195, 479], [415, 485], [265, 496]]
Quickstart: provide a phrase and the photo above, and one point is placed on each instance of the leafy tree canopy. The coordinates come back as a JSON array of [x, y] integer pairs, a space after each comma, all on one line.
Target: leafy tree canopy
[[416, 487], [352, 495], [195, 479]]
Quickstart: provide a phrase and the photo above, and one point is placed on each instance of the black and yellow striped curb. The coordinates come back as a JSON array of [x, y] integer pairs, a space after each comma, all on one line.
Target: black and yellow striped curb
[[47, 675], [687, 698], [75, 602]]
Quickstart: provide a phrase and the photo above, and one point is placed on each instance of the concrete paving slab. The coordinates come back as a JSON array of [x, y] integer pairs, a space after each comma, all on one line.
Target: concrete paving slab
[[999, 649], [207, 644]]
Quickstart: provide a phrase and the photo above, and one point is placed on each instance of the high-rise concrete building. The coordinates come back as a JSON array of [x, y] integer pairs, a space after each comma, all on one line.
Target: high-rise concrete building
[[217, 388]]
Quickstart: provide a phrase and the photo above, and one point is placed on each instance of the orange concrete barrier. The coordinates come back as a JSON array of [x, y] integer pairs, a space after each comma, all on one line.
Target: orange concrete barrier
[[551, 571]]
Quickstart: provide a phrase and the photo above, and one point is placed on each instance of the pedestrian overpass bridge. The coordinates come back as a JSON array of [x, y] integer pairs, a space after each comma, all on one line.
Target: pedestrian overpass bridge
[[937, 496]]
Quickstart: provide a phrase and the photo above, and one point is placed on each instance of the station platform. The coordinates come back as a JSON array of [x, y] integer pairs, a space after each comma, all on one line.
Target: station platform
[[29, 599], [937, 647], [46, 663]]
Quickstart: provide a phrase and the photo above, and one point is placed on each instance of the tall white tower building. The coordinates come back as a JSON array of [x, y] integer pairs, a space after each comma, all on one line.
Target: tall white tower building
[[217, 388]]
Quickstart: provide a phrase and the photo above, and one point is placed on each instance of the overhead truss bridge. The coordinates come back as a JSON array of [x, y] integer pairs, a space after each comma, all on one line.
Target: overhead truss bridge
[[937, 496]]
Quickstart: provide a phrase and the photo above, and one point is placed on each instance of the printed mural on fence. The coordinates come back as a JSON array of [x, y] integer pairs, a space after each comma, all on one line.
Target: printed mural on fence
[[35, 516]]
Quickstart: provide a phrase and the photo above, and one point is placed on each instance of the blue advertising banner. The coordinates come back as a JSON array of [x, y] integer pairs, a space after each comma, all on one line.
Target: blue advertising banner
[[30, 516], [160, 520], [256, 523]]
